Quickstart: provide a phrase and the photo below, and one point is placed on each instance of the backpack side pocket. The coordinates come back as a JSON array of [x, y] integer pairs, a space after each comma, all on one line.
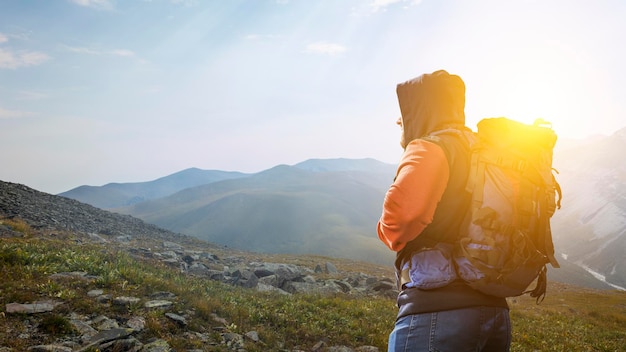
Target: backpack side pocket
[[431, 268]]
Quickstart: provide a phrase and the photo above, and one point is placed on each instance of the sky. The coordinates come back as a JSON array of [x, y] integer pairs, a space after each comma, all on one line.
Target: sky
[[100, 91]]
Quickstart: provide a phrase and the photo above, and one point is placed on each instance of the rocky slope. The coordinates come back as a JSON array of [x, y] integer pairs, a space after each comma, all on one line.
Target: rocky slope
[[55, 216]]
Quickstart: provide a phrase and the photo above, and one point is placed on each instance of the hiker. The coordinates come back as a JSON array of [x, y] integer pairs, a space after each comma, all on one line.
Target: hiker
[[422, 213]]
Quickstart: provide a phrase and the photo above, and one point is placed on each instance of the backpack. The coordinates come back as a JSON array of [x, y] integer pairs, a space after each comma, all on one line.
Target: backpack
[[506, 240]]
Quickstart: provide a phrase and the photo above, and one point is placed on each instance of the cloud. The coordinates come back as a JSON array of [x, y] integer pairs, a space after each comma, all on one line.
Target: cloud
[[123, 52], [114, 52], [325, 48], [14, 59], [185, 2], [96, 4], [3, 38], [254, 37], [30, 95], [81, 50], [13, 114], [377, 5]]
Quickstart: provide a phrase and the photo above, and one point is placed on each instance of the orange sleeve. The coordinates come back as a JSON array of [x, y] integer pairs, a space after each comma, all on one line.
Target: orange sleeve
[[410, 202]]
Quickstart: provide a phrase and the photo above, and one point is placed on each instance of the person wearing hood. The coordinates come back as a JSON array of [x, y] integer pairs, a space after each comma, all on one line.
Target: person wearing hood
[[422, 214]]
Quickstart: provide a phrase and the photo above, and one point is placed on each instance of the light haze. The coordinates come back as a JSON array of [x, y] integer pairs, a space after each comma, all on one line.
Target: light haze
[[99, 91]]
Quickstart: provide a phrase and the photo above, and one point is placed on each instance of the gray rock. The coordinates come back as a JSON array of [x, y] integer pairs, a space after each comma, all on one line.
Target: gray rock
[[136, 323], [31, 308], [103, 298], [318, 269], [95, 293], [180, 320], [130, 344], [269, 288], [252, 336], [244, 278], [198, 269], [331, 269], [125, 301], [216, 275], [157, 346], [49, 348], [285, 272], [84, 329], [78, 275], [123, 238], [162, 295], [103, 323], [233, 340], [112, 334], [172, 246], [158, 304], [339, 349]]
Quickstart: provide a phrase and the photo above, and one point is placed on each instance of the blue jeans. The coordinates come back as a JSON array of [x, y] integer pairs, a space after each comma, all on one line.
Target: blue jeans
[[485, 329]]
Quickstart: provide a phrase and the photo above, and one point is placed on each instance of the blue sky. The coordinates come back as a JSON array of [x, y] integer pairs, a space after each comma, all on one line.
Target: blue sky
[[99, 91]]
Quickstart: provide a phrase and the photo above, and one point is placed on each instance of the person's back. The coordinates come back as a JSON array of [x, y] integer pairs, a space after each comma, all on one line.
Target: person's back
[[422, 213]]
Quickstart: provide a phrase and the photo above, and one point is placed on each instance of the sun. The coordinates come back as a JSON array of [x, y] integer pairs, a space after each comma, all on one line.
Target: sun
[[535, 84]]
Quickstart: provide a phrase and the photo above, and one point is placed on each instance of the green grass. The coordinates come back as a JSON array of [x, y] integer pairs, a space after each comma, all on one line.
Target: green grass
[[570, 319]]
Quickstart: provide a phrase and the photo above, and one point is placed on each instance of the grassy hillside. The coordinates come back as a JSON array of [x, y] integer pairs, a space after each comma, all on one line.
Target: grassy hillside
[[570, 318]]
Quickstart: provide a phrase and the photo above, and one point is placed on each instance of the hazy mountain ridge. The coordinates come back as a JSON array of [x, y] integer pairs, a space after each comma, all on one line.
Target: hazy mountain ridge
[[115, 195], [330, 206], [285, 209]]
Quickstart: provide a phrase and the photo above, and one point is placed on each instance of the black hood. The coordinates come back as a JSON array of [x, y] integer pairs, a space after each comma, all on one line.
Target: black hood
[[431, 102]]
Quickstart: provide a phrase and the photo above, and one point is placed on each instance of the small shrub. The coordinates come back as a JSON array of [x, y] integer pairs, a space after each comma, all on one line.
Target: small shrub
[[56, 325]]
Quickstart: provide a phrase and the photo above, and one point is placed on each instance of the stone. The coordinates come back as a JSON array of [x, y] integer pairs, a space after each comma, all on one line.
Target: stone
[[84, 329], [103, 298], [339, 349], [31, 308], [136, 323], [79, 275], [125, 301], [233, 340], [157, 346], [103, 323], [158, 304], [252, 336], [49, 348], [180, 320], [269, 288], [112, 334], [331, 269], [95, 293], [172, 246], [198, 269], [162, 295]]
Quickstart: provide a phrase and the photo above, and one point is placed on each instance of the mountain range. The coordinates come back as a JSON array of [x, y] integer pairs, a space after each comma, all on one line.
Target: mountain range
[[330, 207], [319, 206]]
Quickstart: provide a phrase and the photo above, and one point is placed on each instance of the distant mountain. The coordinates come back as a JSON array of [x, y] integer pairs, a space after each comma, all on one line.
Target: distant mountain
[[114, 195], [330, 207], [327, 207], [590, 229]]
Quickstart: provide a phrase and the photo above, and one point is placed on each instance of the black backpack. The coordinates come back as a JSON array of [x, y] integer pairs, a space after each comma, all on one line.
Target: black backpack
[[506, 239]]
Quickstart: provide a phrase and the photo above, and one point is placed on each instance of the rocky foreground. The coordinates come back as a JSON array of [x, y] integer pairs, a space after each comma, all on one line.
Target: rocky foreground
[[55, 216]]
